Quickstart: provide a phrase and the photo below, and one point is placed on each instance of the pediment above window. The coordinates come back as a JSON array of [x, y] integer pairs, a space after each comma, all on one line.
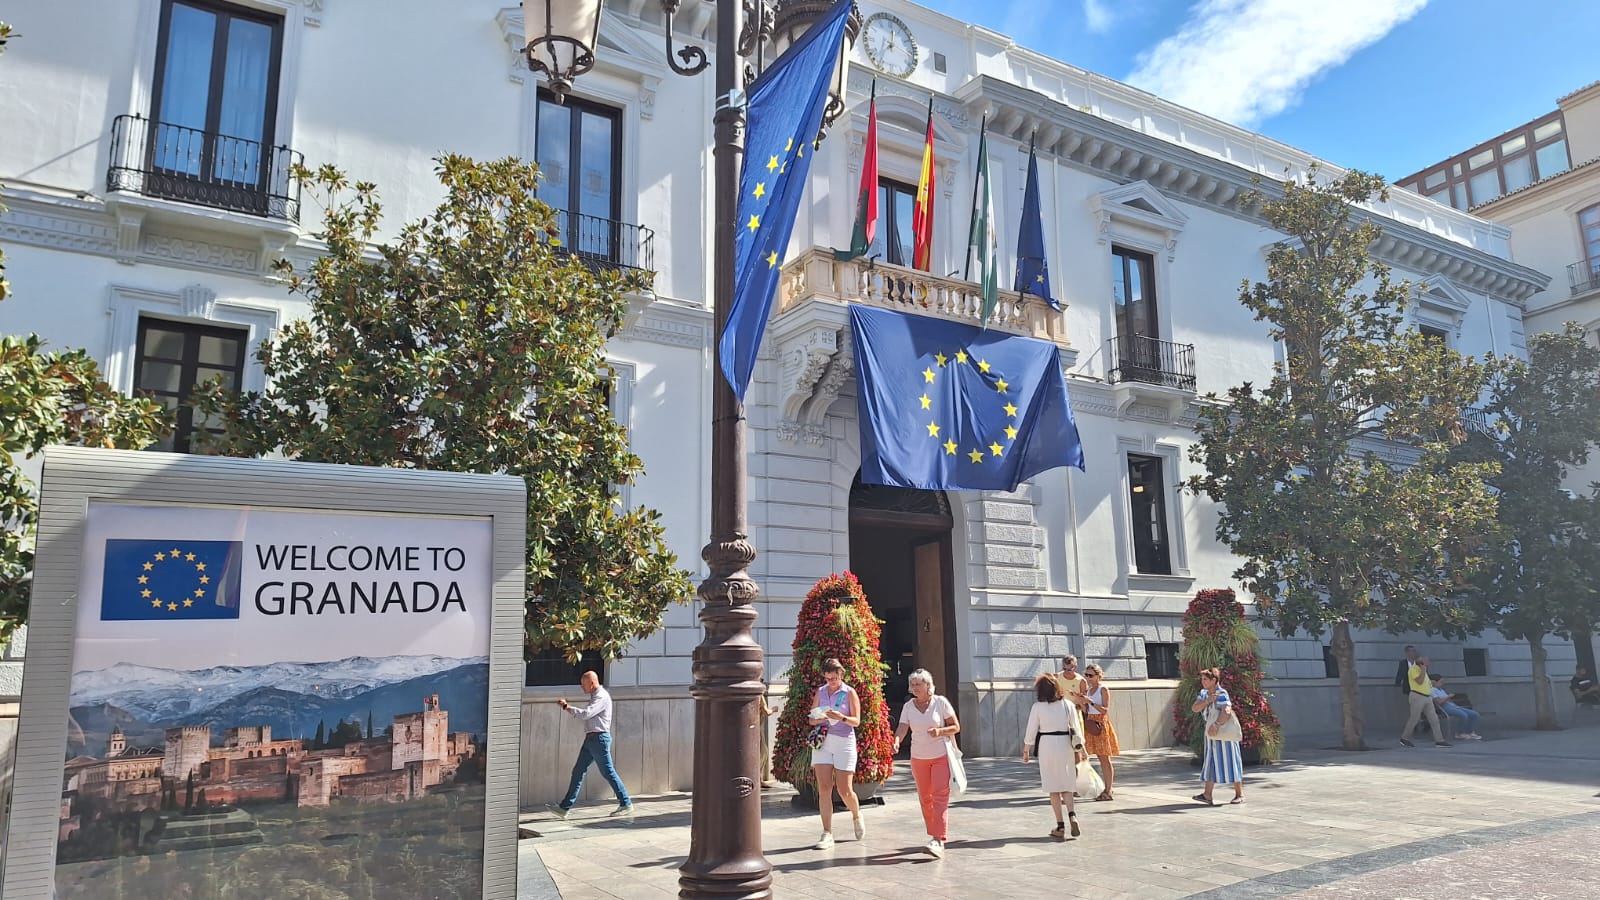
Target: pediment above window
[[1137, 214], [1439, 303]]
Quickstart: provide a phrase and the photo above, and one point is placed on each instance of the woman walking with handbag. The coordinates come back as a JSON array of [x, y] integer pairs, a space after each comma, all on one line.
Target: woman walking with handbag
[[1223, 762], [1052, 723], [931, 721], [833, 763], [1099, 738]]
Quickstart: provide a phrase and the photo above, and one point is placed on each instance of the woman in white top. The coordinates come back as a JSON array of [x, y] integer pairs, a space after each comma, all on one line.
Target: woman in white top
[[1053, 722], [931, 721]]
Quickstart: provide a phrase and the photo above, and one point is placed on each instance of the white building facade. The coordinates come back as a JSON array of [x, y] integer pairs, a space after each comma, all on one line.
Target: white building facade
[[123, 240]]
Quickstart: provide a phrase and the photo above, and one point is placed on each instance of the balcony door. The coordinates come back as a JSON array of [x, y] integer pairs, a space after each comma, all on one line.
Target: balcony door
[[1133, 286], [579, 153], [214, 104]]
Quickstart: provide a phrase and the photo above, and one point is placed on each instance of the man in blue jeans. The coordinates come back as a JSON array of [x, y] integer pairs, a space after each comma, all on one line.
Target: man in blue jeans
[[596, 748], [1447, 705]]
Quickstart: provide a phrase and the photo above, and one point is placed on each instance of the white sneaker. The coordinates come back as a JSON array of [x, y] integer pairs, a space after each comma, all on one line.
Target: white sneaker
[[623, 809], [935, 848], [861, 827], [825, 842]]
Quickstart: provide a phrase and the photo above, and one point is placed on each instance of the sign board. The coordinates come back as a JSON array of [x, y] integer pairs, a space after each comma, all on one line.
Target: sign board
[[252, 678]]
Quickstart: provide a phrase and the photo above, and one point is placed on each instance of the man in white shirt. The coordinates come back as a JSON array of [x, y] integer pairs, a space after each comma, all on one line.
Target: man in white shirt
[[596, 748], [1447, 705]]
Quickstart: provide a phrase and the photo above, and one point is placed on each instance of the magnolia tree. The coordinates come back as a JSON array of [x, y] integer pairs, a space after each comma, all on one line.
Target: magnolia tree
[[473, 342], [835, 621], [1335, 478], [1217, 635], [1542, 564], [50, 397]]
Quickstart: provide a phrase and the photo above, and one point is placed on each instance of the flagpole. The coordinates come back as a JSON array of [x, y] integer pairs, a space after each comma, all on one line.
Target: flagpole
[[725, 857], [982, 138]]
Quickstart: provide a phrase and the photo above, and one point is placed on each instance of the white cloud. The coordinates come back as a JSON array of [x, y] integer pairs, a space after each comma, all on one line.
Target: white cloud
[[1247, 60], [1097, 16]]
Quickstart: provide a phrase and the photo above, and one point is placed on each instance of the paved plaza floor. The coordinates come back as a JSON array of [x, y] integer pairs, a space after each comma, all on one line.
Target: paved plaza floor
[[1511, 817]]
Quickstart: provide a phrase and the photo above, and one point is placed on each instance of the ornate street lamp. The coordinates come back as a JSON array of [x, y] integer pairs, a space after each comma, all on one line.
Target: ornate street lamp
[[562, 36], [725, 858]]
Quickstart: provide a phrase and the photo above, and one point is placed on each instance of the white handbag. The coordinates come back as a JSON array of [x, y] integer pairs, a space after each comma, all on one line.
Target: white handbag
[[958, 769]]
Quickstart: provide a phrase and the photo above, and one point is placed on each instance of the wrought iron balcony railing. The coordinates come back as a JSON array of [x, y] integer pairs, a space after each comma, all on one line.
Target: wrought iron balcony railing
[[1584, 276], [204, 168], [606, 242], [1148, 360]]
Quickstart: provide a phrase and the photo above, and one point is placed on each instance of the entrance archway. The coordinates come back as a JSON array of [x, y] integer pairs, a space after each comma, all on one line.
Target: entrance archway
[[900, 548]]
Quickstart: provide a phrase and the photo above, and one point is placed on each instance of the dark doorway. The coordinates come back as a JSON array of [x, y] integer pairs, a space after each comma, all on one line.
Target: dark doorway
[[900, 548]]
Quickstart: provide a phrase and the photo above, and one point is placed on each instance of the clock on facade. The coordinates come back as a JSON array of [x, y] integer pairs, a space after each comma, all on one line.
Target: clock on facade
[[889, 44]]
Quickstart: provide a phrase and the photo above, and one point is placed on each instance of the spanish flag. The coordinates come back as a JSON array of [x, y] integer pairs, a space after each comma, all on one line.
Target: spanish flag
[[922, 211]]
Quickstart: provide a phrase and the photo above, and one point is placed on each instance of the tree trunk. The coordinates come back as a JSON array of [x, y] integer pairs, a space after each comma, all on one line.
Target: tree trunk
[[1344, 651], [1544, 705]]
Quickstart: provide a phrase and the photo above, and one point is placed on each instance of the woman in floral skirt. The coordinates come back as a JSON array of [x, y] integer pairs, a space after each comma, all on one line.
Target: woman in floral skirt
[[1099, 738]]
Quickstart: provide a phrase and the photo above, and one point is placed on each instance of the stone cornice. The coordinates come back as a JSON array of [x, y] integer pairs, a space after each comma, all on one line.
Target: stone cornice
[[1123, 154], [672, 324]]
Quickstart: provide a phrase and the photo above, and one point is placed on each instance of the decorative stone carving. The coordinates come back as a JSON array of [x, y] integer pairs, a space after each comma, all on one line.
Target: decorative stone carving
[[841, 369], [793, 432], [197, 301], [805, 358], [313, 15], [201, 253], [128, 224]]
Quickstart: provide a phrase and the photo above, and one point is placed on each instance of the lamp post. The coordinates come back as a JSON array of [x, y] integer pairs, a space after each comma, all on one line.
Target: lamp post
[[725, 858]]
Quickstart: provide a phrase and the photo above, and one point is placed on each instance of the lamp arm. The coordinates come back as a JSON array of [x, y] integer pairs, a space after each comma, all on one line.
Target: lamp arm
[[694, 58]]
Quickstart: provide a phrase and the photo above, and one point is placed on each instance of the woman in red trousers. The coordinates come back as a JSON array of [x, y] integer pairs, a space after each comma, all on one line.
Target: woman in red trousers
[[931, 722]]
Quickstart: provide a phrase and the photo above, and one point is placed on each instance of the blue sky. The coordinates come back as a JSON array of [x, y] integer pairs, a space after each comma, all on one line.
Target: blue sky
[[1383, 85]]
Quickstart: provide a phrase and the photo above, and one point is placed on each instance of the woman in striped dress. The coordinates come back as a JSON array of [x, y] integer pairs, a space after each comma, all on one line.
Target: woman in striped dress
[[1223, 737]]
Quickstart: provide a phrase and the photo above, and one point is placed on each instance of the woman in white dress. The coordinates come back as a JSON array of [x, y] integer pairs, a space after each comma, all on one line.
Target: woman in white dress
[[1053, 723]]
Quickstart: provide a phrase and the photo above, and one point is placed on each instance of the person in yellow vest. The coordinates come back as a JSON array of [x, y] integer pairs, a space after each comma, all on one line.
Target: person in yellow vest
[[1419, 695]]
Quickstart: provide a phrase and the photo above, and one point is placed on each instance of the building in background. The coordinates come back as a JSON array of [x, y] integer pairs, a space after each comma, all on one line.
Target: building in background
[[146, 167]]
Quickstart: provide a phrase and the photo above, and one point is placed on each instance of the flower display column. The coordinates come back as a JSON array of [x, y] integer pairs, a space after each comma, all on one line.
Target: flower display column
[[1217, 634]]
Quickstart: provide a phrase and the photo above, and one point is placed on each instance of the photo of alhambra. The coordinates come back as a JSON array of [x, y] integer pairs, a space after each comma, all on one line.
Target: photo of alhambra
[[175, 778]]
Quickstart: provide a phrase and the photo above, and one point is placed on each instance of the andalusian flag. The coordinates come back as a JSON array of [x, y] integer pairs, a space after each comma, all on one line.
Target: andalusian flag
[[867, 200], [922, 210], [983, 245]]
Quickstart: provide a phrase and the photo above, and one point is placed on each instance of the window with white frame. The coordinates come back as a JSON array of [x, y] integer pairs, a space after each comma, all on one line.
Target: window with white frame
[[1148, 515]]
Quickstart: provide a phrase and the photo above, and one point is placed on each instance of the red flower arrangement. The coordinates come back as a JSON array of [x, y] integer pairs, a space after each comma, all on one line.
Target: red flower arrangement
[[835, 621], [1217, 634]]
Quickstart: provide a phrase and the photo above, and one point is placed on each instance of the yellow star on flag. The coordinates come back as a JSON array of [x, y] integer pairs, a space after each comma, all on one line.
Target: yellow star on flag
[[754, 223], [976, 456], [1011, 433], [156, 603], [1010, 410], [1039, 278], [144, 579], [772, 259], [941, 358], [983, 366], [1001, 385], [761, 189], [928, 374], [189, 557], [175, 552], [961, 356], [199, 567], [172, 607], [145, 592], [199, 592], [205, 579], [188, 603], [772, 164], [950, 448], [927, 402], [160, 557], [933, 429], [789, 146], [149, 566], [996, 449]]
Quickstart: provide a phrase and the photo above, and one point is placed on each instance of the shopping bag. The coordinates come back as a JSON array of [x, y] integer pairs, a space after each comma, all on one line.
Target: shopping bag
[[1089, 783], [958, 771]]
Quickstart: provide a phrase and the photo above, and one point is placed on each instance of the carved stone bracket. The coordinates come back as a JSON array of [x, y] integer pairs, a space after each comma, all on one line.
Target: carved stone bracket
[[809, 339], [197, 301], [841, 369], [805, 358]]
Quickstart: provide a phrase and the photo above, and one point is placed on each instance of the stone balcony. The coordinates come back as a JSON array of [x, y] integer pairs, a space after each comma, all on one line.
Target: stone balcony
[[811, 327]]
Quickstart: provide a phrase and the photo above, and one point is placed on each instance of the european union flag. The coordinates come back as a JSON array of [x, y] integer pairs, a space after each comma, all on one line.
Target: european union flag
[[170, 580], [947, 406], [783, 119], [1033, 270]]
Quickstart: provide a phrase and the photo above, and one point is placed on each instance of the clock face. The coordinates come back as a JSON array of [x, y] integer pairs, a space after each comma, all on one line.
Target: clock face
[[889, 45]]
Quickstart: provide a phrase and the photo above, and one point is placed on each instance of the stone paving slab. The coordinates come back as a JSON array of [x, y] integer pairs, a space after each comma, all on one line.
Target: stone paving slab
[[1314, 826]]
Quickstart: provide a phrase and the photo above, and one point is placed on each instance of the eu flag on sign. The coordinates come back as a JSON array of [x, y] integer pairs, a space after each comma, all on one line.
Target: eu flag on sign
[[783, 118], [947, 406], [170, 580]]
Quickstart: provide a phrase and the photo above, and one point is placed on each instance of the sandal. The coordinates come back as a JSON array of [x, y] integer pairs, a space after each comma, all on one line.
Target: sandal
[[1204, 799], [1106, 795], [1059, 833], [1236, 801]]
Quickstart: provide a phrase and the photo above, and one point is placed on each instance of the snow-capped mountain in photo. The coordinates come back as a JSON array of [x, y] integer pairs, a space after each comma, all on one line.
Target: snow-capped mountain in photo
[[156, 694]]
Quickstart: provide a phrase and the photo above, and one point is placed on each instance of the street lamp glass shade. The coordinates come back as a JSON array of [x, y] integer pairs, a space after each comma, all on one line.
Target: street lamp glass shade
[[562, 36]]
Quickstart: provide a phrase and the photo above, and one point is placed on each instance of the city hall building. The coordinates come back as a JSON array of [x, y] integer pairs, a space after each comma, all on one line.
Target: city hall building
[[146, 167]]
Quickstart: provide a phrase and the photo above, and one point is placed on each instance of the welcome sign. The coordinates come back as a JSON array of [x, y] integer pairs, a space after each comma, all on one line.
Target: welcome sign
[[261, 694]]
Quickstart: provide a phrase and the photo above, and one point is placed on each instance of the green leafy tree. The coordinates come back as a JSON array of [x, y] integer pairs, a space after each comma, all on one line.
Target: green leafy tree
[[50, 397], [1542, 567], [473, 342], [1336, 480]]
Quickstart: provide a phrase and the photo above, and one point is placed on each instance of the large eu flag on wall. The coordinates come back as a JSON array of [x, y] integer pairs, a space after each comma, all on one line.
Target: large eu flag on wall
[[947, 406]]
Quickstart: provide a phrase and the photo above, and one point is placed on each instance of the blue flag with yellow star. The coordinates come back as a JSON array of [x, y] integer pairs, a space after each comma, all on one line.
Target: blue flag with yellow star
[[145, 579], [782, 120], [1033, 270], [948, 406]]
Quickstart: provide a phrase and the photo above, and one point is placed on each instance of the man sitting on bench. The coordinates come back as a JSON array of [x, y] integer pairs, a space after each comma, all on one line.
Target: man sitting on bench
[[1446, 703], [1584, 689]]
